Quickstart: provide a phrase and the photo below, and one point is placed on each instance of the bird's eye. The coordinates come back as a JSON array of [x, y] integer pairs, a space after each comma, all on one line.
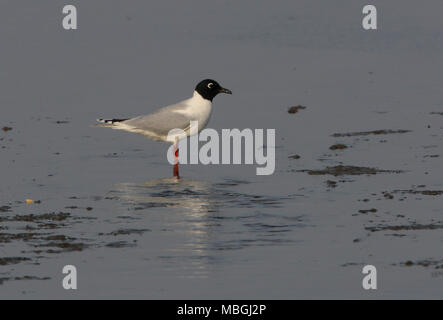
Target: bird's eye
[[210, 85]]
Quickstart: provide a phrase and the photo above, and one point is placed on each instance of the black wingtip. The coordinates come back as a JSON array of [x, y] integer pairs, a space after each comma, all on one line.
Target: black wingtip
[[111, 121]]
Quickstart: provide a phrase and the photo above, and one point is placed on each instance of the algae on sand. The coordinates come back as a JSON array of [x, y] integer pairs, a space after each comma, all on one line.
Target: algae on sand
[[342, 170]]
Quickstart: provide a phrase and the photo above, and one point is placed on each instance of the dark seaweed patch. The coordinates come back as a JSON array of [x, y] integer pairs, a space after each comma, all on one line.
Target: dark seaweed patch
[[5, 209], [338, 146], [348, 170], [64, 246], [422, 192], [295, 109], [331, 183], [127, 232], [373, 210], [120, 244], [12, 260], [366, 133], [424, 263], [8, 237], [406, 227], [61, 216]]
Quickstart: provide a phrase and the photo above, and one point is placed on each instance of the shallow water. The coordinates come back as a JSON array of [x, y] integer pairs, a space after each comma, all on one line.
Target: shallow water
[[105, 200]]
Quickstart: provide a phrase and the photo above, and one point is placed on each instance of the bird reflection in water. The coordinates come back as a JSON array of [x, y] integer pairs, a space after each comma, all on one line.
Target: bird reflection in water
[[193, 196], [181, 206]]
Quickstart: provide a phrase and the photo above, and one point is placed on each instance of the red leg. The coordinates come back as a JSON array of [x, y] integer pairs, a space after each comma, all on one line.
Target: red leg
[[176, 175]]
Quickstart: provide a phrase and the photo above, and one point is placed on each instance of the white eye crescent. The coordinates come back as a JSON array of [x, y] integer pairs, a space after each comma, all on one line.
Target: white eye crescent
[[210, 85]]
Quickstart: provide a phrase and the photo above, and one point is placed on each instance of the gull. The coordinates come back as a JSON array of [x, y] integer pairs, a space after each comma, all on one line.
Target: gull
[[158, 125]]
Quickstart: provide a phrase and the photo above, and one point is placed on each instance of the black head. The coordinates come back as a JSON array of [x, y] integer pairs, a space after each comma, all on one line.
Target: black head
[[208, 89]]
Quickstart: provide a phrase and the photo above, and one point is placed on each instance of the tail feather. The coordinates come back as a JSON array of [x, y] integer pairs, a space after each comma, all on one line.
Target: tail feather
[[110, 121]]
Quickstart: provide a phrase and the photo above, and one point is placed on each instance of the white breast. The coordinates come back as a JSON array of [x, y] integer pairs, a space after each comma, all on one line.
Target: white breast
[[198, 109]]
